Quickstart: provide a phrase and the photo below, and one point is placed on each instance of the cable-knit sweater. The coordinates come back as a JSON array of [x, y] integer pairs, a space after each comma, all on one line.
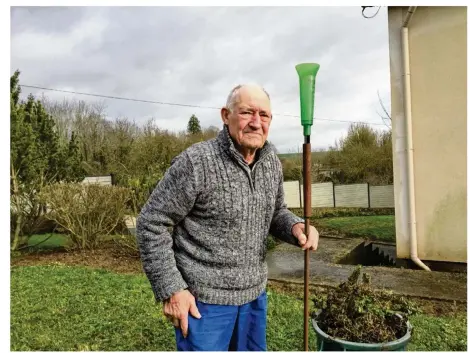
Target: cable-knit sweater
[[221, 211]]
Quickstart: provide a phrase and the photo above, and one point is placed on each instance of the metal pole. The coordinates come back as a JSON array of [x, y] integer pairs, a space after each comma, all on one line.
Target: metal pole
[[307, 155], [307, 73]]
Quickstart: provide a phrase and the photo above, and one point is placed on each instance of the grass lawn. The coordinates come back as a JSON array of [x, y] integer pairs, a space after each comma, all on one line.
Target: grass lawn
[[316, 155], [55, 241], [74, 308], [51, 241], [370, 227]]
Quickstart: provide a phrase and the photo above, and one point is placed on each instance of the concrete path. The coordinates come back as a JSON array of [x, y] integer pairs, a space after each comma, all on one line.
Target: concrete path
[[286, 263]]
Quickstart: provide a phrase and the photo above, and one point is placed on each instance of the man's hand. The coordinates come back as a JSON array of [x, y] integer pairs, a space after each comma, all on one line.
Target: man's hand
[[298, 232], [176, 309]]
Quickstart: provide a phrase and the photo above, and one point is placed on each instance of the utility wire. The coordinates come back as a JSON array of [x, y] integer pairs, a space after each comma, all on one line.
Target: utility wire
[[375, 14], [177, 104], [120, 98]]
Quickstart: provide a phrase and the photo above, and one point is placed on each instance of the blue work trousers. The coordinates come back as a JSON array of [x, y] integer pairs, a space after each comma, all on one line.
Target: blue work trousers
[[226, 327]]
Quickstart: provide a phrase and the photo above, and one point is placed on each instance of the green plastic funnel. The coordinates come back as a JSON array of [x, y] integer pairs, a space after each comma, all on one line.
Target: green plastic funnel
[[307, 74]]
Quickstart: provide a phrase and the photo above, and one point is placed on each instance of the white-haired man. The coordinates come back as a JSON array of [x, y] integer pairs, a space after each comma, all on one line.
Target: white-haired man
[[222, 197]]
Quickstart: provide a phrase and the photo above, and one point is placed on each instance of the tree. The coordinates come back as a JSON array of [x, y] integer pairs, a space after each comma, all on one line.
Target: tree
[[193, 125], [364, 155], [37, 158], [92, 130], [386, 117], [73, 169]]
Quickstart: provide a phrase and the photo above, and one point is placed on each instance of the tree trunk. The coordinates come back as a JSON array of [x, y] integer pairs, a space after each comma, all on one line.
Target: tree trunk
[[19, 218], [16, 235]]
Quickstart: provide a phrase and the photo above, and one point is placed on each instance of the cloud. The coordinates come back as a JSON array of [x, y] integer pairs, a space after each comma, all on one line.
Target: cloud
[[195, 55]]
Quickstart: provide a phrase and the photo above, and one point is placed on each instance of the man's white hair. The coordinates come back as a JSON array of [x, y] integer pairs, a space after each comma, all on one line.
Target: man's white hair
[[232, 98]]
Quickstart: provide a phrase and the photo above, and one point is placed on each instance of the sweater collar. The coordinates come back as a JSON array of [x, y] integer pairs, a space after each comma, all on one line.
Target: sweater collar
[[227, 144]]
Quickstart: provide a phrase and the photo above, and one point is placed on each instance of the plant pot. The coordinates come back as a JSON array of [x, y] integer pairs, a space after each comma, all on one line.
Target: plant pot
[[326, 342]]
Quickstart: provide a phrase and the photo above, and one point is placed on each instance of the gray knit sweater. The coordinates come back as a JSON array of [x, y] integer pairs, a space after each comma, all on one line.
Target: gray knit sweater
[[221, 211]]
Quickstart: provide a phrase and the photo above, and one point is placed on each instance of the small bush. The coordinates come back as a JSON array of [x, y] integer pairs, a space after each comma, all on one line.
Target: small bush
[[27, 217], [89, 212], [127, 245]]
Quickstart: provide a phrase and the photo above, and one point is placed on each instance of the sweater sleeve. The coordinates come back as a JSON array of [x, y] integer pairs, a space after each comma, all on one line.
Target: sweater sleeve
[[169, 203], [283, 219]]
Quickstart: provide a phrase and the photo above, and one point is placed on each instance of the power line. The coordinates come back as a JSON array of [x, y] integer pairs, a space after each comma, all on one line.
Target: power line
[[337, 120], [375, 14], [120, 98], [178, 104]]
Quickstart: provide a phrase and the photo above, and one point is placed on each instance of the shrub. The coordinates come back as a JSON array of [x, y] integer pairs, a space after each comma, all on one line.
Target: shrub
[[27, 204], [126, 245], [88, 212]]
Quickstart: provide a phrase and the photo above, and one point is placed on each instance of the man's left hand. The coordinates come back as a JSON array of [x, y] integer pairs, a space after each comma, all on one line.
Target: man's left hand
[[298, 232]]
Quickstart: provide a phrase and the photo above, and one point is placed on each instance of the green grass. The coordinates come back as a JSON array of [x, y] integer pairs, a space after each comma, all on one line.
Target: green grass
[[328, 212], [316, 155], [64, 308], [370, 227], [439, 333], [55, 241], [52, 241], [74, 308]]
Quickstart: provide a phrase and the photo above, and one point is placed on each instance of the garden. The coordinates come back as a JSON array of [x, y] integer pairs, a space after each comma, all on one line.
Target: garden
[[76, 277], [65, 297]]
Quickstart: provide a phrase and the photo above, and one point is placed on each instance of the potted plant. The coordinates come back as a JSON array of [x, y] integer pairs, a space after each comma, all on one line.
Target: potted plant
[[354, 317]]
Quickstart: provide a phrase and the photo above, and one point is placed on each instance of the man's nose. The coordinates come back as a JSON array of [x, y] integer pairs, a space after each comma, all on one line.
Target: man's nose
[[255, 121]]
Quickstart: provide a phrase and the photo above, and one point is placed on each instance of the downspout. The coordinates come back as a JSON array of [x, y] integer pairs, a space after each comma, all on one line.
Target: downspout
[[409, 141]]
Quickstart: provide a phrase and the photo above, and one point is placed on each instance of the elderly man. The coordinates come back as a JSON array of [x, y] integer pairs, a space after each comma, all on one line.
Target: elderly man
[[222, 198]]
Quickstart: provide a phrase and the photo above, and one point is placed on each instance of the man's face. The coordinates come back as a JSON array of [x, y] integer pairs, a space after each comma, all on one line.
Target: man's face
[[249, 119]]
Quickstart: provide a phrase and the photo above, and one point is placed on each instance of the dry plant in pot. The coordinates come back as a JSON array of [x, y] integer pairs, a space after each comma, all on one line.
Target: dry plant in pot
[[354, 316]]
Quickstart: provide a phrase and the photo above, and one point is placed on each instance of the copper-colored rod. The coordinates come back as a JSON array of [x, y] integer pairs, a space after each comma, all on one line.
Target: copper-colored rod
[[307, 214]]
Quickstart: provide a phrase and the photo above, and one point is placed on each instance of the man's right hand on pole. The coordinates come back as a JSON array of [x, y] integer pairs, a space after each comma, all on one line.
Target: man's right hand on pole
[[177, 307]]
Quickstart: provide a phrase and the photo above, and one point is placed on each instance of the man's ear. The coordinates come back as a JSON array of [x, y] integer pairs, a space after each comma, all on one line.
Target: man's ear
[[224, 113]]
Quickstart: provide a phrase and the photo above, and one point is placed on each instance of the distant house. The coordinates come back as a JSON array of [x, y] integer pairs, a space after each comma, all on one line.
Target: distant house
[[428, 71]]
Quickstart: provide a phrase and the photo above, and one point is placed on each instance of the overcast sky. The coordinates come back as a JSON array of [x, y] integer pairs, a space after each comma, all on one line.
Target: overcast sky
[[195, 55]]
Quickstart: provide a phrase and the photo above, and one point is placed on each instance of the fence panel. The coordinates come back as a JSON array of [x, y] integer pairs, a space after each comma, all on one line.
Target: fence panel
[[322, 195], [381, 196], [354, 195], [292, 194]]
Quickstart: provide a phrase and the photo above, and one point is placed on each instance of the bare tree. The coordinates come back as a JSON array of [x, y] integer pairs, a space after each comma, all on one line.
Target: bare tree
[[385, 115], [88, 121]]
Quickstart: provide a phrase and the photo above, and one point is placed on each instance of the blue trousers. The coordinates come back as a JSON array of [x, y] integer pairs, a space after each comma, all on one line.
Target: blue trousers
[[226, 327]]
